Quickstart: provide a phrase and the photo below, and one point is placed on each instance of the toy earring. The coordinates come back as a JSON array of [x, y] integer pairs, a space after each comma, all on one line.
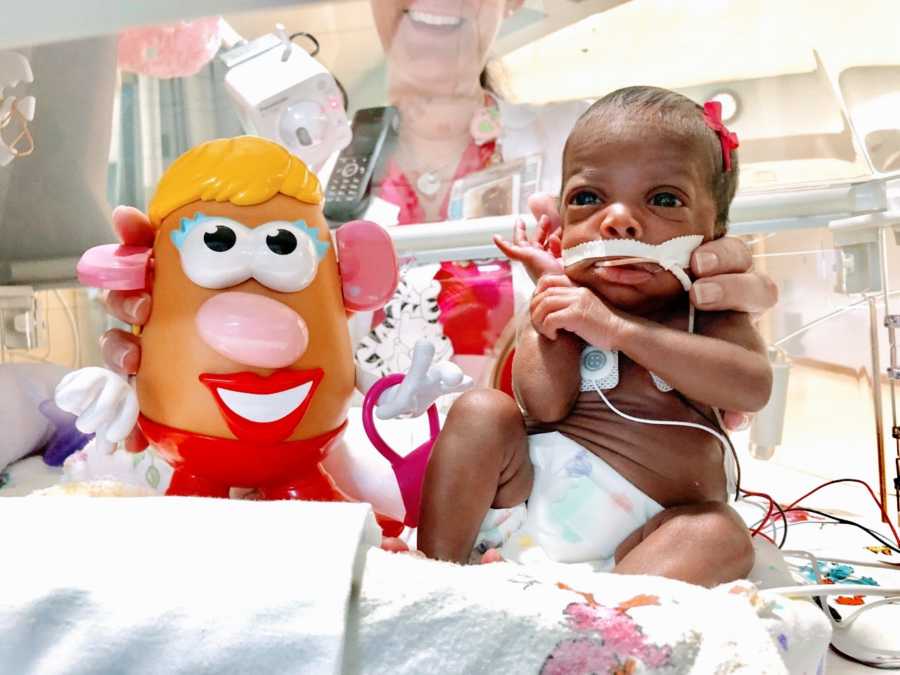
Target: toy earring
[[24, 133], [14, 68]]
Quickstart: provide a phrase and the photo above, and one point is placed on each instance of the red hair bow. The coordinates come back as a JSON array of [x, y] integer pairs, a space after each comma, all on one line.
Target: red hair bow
[[712, 113]]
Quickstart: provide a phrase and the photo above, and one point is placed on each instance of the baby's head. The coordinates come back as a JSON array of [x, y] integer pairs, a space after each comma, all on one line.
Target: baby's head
[[642, 163]]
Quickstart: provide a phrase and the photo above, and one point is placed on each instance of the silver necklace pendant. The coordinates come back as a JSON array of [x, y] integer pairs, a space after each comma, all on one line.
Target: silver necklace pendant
[[428, 183]]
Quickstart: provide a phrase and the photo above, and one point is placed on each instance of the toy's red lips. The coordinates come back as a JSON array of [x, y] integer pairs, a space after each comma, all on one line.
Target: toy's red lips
[[263, 409]]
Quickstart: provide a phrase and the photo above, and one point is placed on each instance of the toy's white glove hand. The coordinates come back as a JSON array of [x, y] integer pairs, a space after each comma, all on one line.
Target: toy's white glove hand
[[422, 385], [103, 402]]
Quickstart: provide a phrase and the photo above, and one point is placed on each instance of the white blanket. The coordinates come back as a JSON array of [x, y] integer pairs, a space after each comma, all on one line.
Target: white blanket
[[422, 617], [173, 585]]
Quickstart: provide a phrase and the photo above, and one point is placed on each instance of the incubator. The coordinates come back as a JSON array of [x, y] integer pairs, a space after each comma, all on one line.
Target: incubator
[[438, 124]]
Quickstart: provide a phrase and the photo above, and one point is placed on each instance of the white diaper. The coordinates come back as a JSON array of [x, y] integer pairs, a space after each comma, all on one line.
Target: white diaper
[[579, 511]]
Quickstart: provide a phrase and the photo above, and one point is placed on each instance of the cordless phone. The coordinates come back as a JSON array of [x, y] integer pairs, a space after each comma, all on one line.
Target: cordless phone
[[347, 193]]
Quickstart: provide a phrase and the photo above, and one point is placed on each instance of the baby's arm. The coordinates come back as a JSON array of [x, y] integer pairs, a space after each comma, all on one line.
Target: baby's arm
[[546, 374], [725, 367]]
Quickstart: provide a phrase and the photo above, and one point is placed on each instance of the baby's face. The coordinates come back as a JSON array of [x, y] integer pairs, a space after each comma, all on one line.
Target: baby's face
[[642, 185]]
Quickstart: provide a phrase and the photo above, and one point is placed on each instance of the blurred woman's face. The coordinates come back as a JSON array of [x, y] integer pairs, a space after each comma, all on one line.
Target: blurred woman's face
[[438, 47]]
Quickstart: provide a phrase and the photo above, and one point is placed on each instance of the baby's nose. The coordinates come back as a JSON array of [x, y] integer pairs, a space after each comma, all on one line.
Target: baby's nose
[[252, 329], [619, 223]]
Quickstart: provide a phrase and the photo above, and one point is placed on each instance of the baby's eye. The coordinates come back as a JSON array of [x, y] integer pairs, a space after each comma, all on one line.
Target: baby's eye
[[584, 198], [666, 200]]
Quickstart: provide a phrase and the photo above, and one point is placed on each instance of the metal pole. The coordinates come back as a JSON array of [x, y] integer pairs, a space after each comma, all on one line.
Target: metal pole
[[876, 397], [889, 322]]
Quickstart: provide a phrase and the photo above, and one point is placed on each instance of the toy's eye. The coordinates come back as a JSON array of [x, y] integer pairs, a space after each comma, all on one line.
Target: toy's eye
[[282, 242], [215, 252], [223, 239], [286, 256]]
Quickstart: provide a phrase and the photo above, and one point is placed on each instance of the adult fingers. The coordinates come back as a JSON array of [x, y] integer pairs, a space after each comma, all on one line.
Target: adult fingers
[[748, 292], [727, 255], [132, 226], [736, 421], [121, 351], [545, 204], [129, 306]]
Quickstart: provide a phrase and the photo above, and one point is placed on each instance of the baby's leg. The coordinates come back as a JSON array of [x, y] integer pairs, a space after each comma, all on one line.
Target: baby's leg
[[704, 544], [479, 461]]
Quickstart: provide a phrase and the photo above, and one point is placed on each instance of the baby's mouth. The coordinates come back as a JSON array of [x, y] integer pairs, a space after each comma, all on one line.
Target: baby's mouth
[[629, 274], [650, 267]]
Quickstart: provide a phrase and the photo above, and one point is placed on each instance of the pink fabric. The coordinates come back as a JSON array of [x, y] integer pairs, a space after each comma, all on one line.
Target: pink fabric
[[252, 329], [177, 50], [396, 188], [476, 301]]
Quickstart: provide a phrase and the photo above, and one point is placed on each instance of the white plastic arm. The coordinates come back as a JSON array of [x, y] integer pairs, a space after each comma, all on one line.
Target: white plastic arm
[[424, 383], [103, 402]]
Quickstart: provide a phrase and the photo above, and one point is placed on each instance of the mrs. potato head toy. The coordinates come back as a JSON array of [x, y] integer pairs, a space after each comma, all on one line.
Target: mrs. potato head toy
[[247, 371]]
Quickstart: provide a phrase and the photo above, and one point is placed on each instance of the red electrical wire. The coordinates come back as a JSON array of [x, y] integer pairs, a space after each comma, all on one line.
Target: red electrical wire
[[758, 529], [823, 485]]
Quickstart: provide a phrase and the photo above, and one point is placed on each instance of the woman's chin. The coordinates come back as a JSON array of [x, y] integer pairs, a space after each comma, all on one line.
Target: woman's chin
[[431, 77]]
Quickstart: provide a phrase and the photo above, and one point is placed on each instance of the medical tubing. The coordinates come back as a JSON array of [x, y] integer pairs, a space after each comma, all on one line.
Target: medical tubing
[[769, 518], [835, 520], [847, 480], [824, 318], [761, 507], [833, 589], [668, 423]]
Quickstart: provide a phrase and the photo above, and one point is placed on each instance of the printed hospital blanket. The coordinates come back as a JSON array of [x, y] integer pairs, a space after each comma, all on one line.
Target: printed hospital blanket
[[419, 616]]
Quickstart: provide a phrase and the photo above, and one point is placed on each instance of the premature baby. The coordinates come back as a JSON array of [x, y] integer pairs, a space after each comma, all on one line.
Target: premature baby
[[612, 343]]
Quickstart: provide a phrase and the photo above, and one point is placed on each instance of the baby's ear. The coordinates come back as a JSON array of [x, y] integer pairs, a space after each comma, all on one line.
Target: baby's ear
[[368, 265]]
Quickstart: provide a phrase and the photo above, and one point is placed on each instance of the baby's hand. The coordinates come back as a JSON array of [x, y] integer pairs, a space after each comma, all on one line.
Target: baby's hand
[[539, 254], [558, 304]]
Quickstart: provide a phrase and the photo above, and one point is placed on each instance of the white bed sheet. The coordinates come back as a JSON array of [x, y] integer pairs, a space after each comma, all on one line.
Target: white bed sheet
[[415, 616]]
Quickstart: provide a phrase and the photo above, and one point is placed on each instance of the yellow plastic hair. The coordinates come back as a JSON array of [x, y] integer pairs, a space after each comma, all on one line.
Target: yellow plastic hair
[[246, 170]]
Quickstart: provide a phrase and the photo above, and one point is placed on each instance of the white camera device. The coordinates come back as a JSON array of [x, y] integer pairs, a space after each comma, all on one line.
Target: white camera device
[[284, 94]]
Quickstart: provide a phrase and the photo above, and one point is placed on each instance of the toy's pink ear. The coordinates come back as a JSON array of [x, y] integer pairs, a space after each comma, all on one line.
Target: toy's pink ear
[[368, 265], [115, 267]]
